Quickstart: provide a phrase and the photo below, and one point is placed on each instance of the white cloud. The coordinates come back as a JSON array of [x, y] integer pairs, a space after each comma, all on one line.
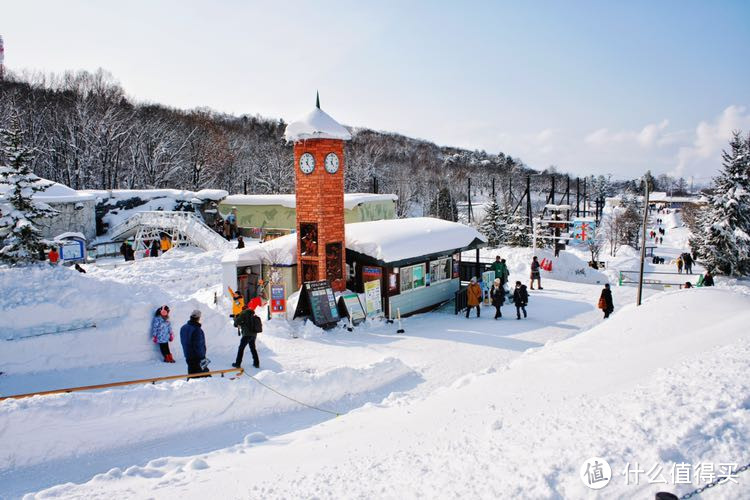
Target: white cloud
[[710, 139], [650, 135]]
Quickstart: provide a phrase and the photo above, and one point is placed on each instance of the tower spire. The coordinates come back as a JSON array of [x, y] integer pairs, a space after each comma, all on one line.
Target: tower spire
[[317, 99]]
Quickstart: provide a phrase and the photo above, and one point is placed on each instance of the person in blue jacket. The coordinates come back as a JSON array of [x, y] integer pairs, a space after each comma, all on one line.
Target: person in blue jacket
[[161, 332], [194, 344]]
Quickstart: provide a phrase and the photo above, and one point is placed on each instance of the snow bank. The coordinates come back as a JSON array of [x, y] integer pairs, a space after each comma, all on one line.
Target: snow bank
[[50, 310], [317, 124], [55, 193], [567, 267], [41, 429]]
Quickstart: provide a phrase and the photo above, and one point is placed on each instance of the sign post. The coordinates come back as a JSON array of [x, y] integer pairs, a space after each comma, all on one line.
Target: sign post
[[318, 302], [278, 298]]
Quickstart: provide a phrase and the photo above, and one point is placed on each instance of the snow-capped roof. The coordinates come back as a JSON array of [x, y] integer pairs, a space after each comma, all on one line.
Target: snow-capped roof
[[391, 240], [211, 194], [400, 239], [281, 251], [69, 235], [317, 124], [550, 206], [55, 193], [351, 200]]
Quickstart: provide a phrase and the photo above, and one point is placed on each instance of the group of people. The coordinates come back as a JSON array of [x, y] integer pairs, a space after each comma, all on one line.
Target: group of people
[[153, 247], [497, 292], [193, 339], [227, 226], [685, 260]]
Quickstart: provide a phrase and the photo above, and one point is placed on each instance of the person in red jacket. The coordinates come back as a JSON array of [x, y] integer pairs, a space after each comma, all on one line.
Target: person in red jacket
[[53, 256]]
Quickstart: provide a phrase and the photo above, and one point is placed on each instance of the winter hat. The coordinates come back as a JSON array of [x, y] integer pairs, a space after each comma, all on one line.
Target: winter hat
[[196, 314], [473, 280], [497, 281]]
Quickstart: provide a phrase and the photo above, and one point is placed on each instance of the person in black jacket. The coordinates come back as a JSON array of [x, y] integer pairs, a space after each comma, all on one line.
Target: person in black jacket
[[194, 344], [605, 301], [155, 247], [250, 325], [520, 299], [708, 279], [688, 260], [497, 295]]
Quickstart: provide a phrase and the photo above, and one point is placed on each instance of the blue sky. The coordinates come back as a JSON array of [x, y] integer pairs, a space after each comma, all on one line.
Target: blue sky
[[602, 87]]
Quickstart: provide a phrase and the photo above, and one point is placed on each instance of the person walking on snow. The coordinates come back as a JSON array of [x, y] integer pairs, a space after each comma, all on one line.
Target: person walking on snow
[[473, 297], [535, 273], [161, 332], [688, 260], [53, 256], [679, 264], [497, 295], [166, 243], [250, 325], [520, 299], [193, 342], [605, 301]]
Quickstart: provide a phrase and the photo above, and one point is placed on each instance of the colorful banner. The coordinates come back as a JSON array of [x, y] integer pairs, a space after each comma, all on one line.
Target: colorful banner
[[583, 230]]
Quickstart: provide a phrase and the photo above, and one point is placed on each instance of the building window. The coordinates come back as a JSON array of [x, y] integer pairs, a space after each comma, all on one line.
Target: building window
[[440, 270], [413, 277]]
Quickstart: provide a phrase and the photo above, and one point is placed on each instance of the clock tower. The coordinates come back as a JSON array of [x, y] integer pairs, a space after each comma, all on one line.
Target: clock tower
[[319, 186]]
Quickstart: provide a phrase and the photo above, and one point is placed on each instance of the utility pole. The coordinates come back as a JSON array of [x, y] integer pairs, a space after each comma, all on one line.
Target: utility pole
[[493, 188], [643, 245], [585, 205], [469, 195], [578, 196], [528, 199]]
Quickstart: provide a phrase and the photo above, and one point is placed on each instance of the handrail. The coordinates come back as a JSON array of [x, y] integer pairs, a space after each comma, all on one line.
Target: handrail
[[120, 384]]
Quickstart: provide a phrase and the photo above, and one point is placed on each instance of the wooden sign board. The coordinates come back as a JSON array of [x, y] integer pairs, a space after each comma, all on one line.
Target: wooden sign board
[[318, 302], [350, 305]]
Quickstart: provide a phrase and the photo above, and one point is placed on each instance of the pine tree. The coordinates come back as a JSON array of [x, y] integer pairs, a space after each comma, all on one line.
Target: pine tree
[[493, 225], [723, 242], [444, 206], [518, 232], [21, 240]]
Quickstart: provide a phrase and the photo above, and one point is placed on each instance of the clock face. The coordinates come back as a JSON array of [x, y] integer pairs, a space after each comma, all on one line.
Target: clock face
[[307, 163], [332, 163]]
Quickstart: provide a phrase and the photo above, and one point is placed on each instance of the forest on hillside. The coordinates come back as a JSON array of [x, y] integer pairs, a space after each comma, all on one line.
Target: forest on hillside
[[87, 134]]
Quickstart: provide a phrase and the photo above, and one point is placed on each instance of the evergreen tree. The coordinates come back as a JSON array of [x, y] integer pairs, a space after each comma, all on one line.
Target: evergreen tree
[[443, 206], [723, 242], [518, 232], [21, 241], [493, 225]]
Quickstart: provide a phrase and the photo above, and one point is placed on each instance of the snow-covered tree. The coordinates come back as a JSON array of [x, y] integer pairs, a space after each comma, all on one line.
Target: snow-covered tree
[[518, 232], [494, 224], [20, 239], [723, 240]]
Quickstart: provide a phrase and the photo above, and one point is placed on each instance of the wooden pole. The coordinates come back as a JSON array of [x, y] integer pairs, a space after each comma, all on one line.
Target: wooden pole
[[528, 199], [120, 384], [578, 196]]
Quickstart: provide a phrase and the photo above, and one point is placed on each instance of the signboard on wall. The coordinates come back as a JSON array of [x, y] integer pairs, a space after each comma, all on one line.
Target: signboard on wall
[[278, 298], [319, 303], [349, 304], [370, 273], [373, 299], [583, 230]]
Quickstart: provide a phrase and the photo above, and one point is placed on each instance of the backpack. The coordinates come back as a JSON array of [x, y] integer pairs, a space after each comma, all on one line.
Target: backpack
[[257, 324]]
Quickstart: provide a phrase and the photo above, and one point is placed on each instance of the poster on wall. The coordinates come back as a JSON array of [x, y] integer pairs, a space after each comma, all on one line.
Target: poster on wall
[[370, 273], [373, 300], [349, 305], [278, 298]]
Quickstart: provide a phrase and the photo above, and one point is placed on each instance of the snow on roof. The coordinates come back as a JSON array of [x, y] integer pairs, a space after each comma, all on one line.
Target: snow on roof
[[550, 206], [69, 235], [211, 194], [351, 200], [317, 124], [55, 193], [399, 239], [386, 240], [281, 251]]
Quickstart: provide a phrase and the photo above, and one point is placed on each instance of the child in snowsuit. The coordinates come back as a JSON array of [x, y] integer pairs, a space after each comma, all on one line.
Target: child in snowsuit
[[497, 295], [605, 301], [520, 299], [473, 297], [161, 332]]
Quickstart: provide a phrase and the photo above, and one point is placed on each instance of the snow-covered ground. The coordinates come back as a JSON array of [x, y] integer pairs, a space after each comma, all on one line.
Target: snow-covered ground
[[454, 407]]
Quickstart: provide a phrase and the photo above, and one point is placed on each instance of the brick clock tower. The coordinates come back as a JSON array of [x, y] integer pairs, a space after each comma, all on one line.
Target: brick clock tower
[[319, 185]]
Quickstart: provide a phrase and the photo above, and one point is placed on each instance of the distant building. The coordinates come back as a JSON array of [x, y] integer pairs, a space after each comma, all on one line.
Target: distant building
[[275, 214], [76, 210]]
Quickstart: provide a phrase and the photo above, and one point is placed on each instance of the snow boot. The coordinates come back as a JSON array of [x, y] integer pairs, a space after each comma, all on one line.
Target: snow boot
[[170, 359], [166, 358], [236, 365]]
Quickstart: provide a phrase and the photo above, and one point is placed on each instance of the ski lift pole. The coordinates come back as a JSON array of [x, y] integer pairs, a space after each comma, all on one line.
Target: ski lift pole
[[643, 245]]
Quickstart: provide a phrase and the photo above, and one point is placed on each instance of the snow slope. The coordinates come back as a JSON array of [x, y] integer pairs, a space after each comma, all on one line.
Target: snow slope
[[661, 384]]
